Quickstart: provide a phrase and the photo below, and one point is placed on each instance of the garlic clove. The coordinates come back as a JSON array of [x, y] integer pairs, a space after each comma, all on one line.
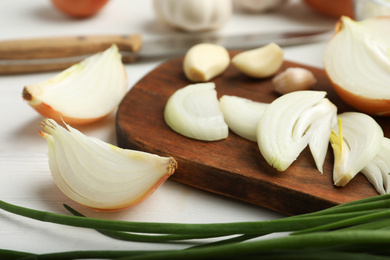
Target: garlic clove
[[242, 115], [205, 61], [294, 79], [377, 171], [290, 123], [193, 111], [83, 93], [261, 62], [355, 142], [357, 63], [100, 175], [193, 15]]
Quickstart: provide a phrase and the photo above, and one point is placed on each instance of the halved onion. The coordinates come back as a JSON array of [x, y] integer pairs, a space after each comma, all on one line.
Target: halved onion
[[378, 170], [83, 93], [194, 112], [355, 142], [242, 115], [357, 62], [293, 121], [100, 175]]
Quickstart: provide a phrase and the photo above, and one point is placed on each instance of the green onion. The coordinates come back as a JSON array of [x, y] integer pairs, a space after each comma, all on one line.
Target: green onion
[[360, 227]]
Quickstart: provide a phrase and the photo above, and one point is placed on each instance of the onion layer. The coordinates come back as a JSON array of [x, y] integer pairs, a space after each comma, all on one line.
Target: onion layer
[[293, 121], [242, 115], [355, 142], [100, 175], [193, 111]]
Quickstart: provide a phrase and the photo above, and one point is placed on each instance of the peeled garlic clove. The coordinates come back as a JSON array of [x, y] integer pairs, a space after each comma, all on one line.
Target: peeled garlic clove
[[285, 128], [357, 63], [83, 93], [294, 79], [355, 142], [99, 175], [193, 111], [261, 62], [377, 171], [205, 61], [242, 115]]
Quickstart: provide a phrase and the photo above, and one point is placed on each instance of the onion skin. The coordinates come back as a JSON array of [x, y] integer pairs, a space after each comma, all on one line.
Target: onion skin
[[375, 107]]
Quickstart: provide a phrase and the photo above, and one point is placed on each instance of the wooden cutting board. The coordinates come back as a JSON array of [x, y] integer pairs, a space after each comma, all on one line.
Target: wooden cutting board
[[232, 167]]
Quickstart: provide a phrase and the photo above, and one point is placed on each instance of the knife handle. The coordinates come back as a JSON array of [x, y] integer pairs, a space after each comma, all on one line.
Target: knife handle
[[60, 47]]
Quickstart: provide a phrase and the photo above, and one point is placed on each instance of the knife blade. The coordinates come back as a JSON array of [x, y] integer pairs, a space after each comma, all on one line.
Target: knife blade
[[58, 53]]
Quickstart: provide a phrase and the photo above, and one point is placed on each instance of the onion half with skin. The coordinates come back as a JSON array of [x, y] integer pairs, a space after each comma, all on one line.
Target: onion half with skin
[[357, 62], [100, 175], [83, 93], [242, 115], [293, 121], [377, 171], [193, 111], [355, 142]]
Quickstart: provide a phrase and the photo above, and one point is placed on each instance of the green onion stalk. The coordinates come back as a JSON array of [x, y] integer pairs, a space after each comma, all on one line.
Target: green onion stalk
[[348, 231]]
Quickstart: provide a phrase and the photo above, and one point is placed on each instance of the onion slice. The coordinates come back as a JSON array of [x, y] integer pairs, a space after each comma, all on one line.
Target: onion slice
[[377, 171], [83, 93], [100, 175], [355, 142], [194, 112], [293, 121], [242, 115]]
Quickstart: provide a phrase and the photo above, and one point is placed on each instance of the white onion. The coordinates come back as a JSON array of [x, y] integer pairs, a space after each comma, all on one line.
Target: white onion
[[194, 112], [290, 123], [100, 175], [83, 93], [242, 115], [377, 171], [355, 143]]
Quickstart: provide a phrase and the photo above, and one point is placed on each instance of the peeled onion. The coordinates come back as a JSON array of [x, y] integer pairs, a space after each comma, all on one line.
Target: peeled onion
[[355, 143], [100, 175], [293, 121], [83, 93], [357, 62], [194, 112]]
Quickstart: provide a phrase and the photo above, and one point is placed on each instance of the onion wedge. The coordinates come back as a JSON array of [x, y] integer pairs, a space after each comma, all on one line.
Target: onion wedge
[[193, 111], [100, 175], [293, 121], [83, 93], [357, 62], [378, 170], [355, 142], [242, 115]]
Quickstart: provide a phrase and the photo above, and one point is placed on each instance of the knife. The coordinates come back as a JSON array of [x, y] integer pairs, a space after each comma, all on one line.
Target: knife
[[58, 53]]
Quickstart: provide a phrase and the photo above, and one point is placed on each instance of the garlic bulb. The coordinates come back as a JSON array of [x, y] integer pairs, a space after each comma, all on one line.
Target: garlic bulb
[[294, 79], [258, 6], [193, 111], [377, 171], [83, 93], [242, 115], [205, 61], [99, 175], [355, 142], [293, 121], [261, 62], [193, 15], [357, 62]]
